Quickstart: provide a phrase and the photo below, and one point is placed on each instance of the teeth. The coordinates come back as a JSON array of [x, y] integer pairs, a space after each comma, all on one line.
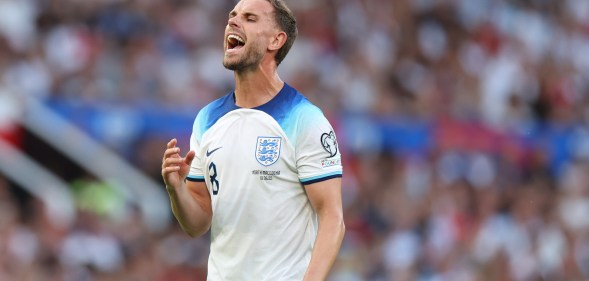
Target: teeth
[[236, 38]]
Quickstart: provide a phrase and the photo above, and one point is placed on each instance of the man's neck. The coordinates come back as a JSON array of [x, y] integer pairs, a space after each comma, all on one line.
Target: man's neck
[[256, 87]]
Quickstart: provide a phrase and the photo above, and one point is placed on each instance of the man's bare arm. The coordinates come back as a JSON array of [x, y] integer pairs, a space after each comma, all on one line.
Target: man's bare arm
[[191, 201], [326, 199]]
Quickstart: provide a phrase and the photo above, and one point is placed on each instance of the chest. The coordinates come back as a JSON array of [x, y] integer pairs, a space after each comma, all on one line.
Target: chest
[[246, 151]]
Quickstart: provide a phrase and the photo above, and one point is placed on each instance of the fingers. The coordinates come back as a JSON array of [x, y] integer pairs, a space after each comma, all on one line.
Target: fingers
[[172, 161], [189, 157], [172, 156], [171, 149], [172, 143], [170, 169], [175, 167], [172, 152], [170, 165]]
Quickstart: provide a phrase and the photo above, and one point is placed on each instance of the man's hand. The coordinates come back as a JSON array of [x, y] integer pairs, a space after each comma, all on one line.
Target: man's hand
[[191, 202], [175, 168]]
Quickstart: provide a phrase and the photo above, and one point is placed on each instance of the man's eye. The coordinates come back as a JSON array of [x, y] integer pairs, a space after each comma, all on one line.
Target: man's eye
[[251, 19]]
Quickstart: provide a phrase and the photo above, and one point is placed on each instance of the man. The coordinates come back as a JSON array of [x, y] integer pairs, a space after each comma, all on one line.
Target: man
[[264, 172]]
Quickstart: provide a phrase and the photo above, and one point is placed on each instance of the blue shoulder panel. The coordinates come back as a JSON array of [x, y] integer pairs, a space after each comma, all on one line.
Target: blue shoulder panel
[[286, 108], [210, 114]]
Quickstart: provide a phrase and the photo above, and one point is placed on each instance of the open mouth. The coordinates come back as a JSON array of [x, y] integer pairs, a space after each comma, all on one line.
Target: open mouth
[[234, 42]]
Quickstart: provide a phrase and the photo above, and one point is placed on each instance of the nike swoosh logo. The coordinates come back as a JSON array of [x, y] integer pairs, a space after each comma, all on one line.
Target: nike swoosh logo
[[211, 152]]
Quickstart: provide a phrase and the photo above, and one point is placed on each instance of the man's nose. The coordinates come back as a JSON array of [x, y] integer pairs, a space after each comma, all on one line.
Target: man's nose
[[233, 22]]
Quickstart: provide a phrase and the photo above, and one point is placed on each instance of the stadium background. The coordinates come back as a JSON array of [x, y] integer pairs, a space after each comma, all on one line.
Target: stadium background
[[463, 126]]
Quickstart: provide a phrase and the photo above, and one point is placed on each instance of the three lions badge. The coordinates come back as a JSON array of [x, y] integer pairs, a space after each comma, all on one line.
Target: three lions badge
[[268, 150]]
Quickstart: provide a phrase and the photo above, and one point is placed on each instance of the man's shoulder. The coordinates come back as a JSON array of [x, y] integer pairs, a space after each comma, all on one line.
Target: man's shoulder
[[304, 108], [211, 112], [220, 104], [298, 102]]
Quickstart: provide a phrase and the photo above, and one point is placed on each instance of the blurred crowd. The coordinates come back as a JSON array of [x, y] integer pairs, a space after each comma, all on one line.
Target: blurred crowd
[[463, 124]]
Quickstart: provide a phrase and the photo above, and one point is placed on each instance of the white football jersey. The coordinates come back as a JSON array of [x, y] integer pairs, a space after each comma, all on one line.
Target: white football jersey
[[255, 163]]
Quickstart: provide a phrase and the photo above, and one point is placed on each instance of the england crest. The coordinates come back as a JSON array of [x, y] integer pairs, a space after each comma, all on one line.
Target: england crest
[[268, 150]]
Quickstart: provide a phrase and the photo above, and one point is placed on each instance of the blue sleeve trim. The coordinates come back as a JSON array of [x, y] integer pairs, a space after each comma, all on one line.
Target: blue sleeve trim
[[195, 178], [321, 178]]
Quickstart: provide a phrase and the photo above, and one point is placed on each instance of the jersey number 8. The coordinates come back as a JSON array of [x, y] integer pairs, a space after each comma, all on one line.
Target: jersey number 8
[[213, 178]]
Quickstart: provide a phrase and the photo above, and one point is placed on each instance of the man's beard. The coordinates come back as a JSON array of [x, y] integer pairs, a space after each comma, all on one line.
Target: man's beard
[[250, 60]]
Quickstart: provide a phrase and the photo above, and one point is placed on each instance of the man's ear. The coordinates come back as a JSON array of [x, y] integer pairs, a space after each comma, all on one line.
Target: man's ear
[[278, 41]]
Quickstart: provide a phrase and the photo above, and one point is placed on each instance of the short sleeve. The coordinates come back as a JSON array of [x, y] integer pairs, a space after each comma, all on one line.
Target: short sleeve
[[196, 172], [317, 152]]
